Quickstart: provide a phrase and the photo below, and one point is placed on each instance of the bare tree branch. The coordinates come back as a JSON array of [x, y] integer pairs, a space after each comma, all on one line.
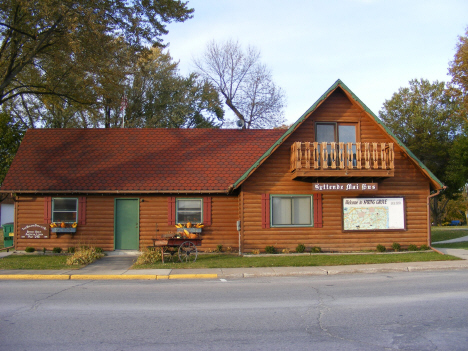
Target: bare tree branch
[[244, 82]]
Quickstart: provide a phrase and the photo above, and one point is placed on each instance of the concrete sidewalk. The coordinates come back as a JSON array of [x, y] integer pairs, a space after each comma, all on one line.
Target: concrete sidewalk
[[116, 266], [457, 240]]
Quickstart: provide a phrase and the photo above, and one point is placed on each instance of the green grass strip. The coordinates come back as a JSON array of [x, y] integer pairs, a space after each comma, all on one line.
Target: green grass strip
[[38, 262], [232, 261]]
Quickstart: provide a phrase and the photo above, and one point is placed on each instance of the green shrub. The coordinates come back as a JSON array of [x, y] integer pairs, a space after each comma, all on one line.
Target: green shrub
[[396, 246], [84, 255], [219, 248], [30, 249], [300, 248], [149, 257], [71, 249], [57, 250], [270, 250], [44, 250], [381, 248], [99, 249], [424, 247], [412, 247], [316, 249]]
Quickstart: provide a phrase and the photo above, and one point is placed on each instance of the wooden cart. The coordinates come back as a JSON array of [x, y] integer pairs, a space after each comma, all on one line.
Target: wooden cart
[[185, 248]]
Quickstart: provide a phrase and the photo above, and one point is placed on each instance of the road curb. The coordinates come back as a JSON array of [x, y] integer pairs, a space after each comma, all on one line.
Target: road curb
[[113, 277], [104, 277], [34, 277], [193, 276]]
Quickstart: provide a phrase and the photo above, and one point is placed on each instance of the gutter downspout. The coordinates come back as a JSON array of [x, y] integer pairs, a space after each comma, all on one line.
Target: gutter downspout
[[429, 238]]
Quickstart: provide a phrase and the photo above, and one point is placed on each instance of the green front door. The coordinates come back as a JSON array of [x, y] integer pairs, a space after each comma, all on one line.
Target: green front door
[[126, 221]]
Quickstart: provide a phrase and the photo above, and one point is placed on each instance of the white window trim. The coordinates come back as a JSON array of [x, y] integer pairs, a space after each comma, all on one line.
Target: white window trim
[[185, 199], [67, 198]]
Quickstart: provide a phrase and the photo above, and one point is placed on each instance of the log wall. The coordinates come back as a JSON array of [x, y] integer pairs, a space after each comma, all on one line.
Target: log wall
[[99, 228], [273, 177]]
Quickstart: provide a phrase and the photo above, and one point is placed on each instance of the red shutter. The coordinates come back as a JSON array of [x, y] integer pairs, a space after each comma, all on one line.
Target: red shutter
[[82, 210], [47, 209], [265, 211], [207, 210], [318, 210], [171, 210]]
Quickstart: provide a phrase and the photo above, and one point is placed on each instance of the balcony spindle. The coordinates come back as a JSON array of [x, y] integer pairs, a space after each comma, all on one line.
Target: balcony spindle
[[358, 156], [316, 155], [375, 156], [333, 155], [307, 155], [391, 156], [324, 151], [383, 155], [342, 155], [367, 155], [350, 156]]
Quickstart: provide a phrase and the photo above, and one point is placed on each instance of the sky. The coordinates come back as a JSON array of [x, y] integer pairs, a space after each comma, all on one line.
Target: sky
[[374, 46]]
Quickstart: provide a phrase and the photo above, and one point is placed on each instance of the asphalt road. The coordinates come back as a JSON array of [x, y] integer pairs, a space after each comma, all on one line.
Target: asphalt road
[[397, 311]]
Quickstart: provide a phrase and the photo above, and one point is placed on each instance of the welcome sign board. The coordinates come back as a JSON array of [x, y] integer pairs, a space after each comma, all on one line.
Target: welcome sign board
[[376, 213]]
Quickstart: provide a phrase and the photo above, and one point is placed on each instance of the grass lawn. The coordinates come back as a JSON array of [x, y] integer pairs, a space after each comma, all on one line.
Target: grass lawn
[[460, 245], [447, 233], [233, 261], [35, 262]]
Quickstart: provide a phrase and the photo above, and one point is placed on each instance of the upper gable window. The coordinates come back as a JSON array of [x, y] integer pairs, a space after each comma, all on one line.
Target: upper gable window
[[336, 132]]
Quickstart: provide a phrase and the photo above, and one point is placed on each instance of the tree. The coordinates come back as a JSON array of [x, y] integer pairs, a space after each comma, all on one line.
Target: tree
[[458, 68], [158, 96], [51, 47], [9, 142], [245, 83], [428, 120]]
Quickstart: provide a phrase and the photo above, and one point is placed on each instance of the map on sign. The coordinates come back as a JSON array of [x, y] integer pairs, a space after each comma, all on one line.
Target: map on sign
[[373, 214]]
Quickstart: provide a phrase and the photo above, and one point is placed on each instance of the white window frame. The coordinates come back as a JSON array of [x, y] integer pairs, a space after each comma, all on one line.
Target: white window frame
[[64, 198], [188, 199], [311, 197]]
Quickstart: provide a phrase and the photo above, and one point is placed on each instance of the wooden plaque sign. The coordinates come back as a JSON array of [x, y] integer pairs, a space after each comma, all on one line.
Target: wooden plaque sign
[[362, 187], [34, 231]]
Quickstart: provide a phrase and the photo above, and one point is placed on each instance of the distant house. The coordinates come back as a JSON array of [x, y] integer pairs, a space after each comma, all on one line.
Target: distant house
[[337, 179], [7, 209]]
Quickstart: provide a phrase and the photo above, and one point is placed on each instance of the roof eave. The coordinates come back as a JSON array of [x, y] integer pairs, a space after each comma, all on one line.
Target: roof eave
[[97, 192]]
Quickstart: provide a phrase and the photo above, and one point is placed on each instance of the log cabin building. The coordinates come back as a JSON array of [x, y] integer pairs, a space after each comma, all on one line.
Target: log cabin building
[[337, 179]]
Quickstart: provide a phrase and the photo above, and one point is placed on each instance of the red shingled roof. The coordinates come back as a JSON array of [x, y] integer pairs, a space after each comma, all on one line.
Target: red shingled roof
[[126, 160]]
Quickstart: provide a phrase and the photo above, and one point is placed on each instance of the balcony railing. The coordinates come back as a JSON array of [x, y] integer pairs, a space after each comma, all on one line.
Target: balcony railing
[[352, 159]]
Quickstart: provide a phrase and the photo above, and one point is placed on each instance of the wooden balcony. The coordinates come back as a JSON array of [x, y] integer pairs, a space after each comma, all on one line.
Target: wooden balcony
[[365, 160]]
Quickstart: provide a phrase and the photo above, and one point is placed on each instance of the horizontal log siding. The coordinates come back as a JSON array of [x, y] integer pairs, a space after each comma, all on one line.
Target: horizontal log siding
[[224, 214], [273, 177], [99, 228]]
